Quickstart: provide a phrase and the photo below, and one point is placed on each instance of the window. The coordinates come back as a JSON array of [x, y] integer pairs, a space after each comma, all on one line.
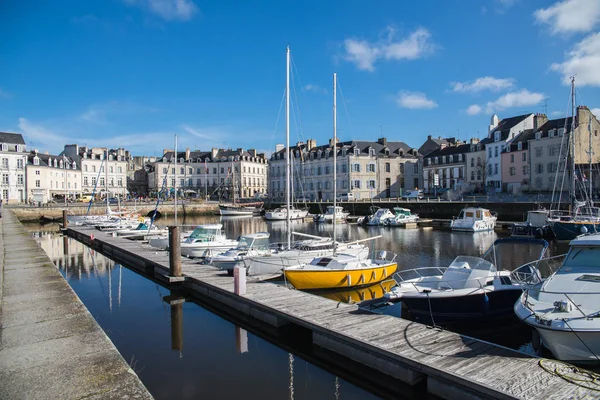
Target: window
[[525, 170], [496, 136], [182, 171], [371, 168], [165, 170], [110, 169], [539, 168], [416, 168], [85, 180], [472, 175], [93, 181], [496, 151], [524, 157], [355, 167], [190, 182], [479, 175], [120, 169], [512, 158], [401, 168], [512, 171], [5, 163], [472, 162], [356, 184], [554, 150], [388, 167], [120, 182], [538, 136], [551, 167], [37, 171], [496, 168], [214, 170], [489, 152], [344, 168], [319, 170], [460, 158], [5, 179], [327, 170], [37, 183], [538, 151], [561, 131], [20, 163], [520, 146], [112, 182], [371, 184], [328, 185], [101, 181], [372, 152], [19, 179], [93, 168], [551, 133], [443, 159]]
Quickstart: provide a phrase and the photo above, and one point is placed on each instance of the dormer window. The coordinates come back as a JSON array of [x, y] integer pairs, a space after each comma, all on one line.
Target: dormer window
[[356, 152], [561, 131], [372, 152], [36, 160], [344, 152], [443, 159], [428, 161], [538, 135], [496, 136], [4, 147], [460, 158], [435, 160], [520, 146], [551, 132], [74, 166]]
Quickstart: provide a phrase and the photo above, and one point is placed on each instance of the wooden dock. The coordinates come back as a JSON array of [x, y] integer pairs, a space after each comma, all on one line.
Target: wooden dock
[[453, 366]]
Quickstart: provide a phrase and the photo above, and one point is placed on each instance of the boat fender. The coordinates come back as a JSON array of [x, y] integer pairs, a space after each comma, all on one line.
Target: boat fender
[[584, 229]]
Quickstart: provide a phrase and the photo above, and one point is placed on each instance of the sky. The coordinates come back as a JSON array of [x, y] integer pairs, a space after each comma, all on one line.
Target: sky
[[136, 73]]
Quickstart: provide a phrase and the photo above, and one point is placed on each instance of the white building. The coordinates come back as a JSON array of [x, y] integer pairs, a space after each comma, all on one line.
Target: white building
[[366, 169], [202, 172], [501, 134], [49, 176], [13, 157], [99, 175]]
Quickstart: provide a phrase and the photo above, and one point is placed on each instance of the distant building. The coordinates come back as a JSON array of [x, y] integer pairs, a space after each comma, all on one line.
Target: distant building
[[50, 176], [501, 133], [137, 174], [100, 175], [201, 172], [380, 169], [432, 144], [13, 157], [516, 175], [446, 167]]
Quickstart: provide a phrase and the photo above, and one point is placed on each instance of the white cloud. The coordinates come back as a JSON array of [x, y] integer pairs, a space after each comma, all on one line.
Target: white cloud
[[169, 10], [522, 98], [314, 88], [103, 113], [483, 83], [570, 16], [596, 112], [364, 54], [473, 109], [583, 62], [414, 100]]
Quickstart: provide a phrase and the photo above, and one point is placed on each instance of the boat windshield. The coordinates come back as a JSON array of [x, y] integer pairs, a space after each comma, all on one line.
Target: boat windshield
[[202, 232], [141, 226], [255, 243], [583, 257], [402, 211], [473, 263]]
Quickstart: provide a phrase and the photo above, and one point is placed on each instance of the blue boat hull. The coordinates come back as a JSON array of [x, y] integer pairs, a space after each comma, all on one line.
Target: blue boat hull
[[569, 230]]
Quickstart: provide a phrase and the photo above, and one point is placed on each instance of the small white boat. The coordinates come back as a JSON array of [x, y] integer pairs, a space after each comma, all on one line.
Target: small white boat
[[379, 217], [142, 230], [338, 212], [474, 219], [237, 209], [255, 244], [206, 241], [402, 216], [565, 308], [280, 214], [469, 288]]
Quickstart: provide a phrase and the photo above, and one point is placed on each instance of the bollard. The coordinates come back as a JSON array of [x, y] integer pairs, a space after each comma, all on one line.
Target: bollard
[[174, 251], [239, 281], [65, 220]]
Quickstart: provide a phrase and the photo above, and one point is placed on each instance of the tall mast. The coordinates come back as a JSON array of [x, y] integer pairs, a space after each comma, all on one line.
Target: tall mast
[[106, 176], [334, 157], [175, 184], [573, 197], [590, 158], [287, 147]]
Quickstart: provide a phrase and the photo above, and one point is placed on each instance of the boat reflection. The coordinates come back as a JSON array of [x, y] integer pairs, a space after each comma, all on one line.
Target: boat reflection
[[358, 295]]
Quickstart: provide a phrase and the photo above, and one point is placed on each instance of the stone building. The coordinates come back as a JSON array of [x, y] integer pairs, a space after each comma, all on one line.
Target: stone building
[[52, 177], [13, 157], [516, 175]]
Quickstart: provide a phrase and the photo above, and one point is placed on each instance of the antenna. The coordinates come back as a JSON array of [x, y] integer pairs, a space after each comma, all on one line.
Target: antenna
[[545, 108]]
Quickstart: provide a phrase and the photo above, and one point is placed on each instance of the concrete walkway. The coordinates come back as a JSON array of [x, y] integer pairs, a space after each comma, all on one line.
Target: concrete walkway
[[50, 345]]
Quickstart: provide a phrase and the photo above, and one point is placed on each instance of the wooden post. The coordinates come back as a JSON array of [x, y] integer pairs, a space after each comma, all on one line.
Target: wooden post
[[65, 220], [177, 326], [239, 281], [174, 251]]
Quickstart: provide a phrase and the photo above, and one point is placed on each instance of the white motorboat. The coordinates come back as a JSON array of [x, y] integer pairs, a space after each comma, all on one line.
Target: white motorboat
[[470, 287], [142, 230], [379, 217], [536, 225], [565, 309], [206, 241], [331, 212], [474, 219], [402, 216], [161, 242], [255, 244], [280, 214]]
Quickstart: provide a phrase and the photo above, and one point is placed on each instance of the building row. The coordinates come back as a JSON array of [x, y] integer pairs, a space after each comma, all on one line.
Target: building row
[[524, 153]]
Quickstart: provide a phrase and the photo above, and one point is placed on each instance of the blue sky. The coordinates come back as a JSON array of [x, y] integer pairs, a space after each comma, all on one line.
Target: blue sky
[[133, 73]]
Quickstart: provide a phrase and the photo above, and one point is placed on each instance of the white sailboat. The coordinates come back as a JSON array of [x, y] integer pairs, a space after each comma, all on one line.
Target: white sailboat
[[301, 251]]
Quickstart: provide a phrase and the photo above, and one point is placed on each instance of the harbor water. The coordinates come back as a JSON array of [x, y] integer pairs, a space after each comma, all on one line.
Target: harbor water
[[212, 356]]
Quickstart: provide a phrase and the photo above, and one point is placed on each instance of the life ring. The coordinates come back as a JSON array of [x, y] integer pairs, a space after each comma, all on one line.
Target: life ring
[[141, 219]]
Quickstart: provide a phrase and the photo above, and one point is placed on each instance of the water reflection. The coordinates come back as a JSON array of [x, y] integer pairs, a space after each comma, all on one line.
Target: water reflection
[[180, 349]]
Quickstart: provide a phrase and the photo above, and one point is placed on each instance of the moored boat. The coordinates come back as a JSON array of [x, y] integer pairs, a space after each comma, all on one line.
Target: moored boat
[[402, 216], [474, 219], [332, 212]]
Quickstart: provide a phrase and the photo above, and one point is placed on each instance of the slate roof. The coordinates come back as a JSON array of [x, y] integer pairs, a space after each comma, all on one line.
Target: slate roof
[[506, 124], [522, 138], [13, 138], [45, 159], [451, 150], [394, 148], [556, 124]]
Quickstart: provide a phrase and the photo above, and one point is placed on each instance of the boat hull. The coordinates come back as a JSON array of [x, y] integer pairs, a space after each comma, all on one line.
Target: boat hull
[[569, 230], [445, 309], [282, 216], [338, 279]]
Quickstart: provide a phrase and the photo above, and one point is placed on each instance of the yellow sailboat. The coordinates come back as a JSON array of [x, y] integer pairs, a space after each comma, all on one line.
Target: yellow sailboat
[[341, 271]]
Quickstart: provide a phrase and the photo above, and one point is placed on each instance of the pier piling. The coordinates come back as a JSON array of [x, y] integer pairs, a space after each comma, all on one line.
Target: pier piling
[[174, 251], [65, 220], [239, 281]]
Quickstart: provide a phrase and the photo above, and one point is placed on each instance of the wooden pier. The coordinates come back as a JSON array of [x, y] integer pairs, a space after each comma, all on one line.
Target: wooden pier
[[453, 366]]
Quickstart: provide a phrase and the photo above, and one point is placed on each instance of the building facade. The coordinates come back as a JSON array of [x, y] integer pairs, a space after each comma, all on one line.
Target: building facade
[[515, 164], [476, 166], [13, 158], [52, 177], [447, 168]]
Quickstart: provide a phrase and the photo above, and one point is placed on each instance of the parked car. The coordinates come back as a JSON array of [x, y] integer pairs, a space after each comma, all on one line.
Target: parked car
[[345, 196], [413, 194], [113, 200]]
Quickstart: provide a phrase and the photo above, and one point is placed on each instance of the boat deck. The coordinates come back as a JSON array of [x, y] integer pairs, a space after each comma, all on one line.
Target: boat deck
[[453, 366]]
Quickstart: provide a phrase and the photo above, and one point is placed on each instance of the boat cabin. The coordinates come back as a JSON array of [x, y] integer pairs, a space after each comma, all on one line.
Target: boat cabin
[[467, 272], [257, 241], [476, 214]]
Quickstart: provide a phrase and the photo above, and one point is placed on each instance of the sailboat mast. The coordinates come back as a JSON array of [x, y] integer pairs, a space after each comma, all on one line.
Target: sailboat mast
[[573, 197], [590, 158], [106, 177], [287, 147], [334, 158], [175, 176]]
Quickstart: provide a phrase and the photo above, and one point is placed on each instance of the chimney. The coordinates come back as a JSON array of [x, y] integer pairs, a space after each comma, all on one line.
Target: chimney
[[299, 144], [252, 152], [311, 144], [428, 137], [279, 147], [187, 154], [539, 120], [493, 123], [213, 153], [331, 142], [382, 141], [165, 151]]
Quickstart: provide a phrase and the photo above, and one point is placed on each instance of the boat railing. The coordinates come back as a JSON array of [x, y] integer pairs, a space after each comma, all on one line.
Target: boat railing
[[567, 303], [384, 255], [415, 273], [534, 272]]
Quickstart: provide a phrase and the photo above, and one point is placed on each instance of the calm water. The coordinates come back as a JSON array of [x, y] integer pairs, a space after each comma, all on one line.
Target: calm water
[[211, 356]]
